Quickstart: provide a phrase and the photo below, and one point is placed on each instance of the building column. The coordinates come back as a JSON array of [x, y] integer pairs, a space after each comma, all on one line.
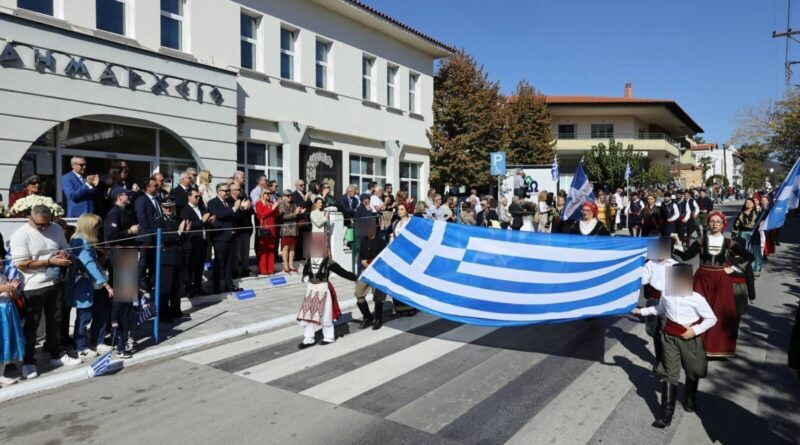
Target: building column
[[293, 134], [393, 147]]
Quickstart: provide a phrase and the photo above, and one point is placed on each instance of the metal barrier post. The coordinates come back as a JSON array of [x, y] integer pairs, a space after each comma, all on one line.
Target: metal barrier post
[[157, 292]]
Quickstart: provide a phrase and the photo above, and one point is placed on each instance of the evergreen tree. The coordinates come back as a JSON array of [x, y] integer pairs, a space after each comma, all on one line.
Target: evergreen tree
[[606, 165], [529, 134], [468, 123]]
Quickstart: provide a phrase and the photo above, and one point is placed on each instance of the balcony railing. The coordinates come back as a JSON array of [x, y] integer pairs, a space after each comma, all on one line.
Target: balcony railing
[[606, 136]]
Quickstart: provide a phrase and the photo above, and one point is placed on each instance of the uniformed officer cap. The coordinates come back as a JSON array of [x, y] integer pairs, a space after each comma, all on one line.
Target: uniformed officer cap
[[168, 202]]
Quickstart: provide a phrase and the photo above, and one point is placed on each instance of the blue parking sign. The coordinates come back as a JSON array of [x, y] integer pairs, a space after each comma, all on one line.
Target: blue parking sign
[[497, 161]]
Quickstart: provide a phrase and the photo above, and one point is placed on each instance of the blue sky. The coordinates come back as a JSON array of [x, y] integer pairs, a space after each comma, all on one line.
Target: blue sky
[[711, 56]]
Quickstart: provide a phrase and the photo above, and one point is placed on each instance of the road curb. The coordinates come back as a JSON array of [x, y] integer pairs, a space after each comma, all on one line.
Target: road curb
[[47, 383]]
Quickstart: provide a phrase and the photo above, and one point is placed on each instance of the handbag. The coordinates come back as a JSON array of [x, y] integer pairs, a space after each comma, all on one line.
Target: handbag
[[264, 231]]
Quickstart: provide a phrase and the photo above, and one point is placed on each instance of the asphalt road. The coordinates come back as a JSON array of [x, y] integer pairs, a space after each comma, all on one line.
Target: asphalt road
[[424, 380]]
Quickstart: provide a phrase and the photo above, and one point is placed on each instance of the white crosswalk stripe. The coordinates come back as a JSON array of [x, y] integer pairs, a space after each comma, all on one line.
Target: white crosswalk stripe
[[242, 346]]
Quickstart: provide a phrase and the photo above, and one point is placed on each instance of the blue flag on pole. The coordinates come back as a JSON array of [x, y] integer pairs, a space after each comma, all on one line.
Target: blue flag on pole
[[579, 192], [554, 170], [627, 171], [786, 198], [492, 277]]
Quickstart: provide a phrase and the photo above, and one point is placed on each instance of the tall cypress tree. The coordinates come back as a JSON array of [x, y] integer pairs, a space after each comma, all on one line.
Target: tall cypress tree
[[468, 123], [529, 132]]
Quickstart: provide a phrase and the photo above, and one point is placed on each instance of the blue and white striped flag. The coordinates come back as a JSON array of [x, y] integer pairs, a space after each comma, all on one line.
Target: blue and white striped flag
[[786, 198], [101, 366], [495, 277], [579, 192], [627, 171], [554, 169]]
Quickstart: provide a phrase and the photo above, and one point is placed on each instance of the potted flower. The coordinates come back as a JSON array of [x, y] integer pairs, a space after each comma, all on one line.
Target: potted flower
[[22, 207]]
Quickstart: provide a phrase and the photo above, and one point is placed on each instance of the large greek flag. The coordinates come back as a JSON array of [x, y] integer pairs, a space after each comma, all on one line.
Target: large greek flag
[[497, 277], [787, 197]]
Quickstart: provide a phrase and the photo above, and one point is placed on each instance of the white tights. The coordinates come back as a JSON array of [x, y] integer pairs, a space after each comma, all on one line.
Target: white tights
[[309, 329]]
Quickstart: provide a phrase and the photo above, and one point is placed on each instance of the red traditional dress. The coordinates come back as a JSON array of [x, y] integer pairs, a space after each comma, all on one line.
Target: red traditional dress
[[320, 307], [711, 281]]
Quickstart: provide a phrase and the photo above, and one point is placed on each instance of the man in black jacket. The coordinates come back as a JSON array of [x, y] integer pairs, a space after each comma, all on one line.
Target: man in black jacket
[[181, 192], [172, 266], [223, 220], [194, 243], [516, 211], [147, 208], [240, 249], [348, 203]]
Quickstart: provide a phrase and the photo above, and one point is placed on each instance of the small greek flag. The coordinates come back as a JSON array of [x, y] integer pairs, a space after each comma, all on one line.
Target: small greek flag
[[627, 171], [554, 169], [787, 197], [579, 192], [101, 366]]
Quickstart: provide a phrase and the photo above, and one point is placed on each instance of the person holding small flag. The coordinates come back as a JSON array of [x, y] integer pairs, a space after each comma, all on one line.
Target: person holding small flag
[[589, 224]]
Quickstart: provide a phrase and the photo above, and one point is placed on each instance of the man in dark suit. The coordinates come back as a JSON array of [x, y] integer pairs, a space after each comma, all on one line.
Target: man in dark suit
[[79, 189], [147, 209], [240, 249], [223, 219], [172, 266], [348, 203], [194, 243], [181, 192], [299, 194]]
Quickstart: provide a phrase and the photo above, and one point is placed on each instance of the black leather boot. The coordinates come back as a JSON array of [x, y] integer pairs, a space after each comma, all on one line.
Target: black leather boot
[[668, 392], [690, 404], [366, 317], [378, 316]]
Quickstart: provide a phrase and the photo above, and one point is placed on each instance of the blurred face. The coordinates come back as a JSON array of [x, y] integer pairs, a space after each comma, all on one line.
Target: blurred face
[[749, 205], [651, 200], [150, 187], [159, 178], [273, 187], [560, 200], [388, 189], [262, 183], [236, 190], [194, 198], [79, 165], [438, 200], [318, 204], [402, 212], [40, 222], [764, 201], [168, 211], [32, 188], [587, 213], [601, 197], [223, 192], [300, 185], [124, 199]]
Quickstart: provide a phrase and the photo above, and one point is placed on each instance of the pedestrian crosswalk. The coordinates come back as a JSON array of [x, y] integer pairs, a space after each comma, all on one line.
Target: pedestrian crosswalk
[[446, 379]]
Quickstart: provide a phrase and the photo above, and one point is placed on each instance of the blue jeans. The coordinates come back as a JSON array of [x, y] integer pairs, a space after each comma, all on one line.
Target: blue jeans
[[80, 335], [101, 314]]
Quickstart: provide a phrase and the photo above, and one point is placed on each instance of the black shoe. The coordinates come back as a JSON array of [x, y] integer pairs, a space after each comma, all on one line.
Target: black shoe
[[366, 317], [234, 289], [668, 392], [326, 343], [378, 316], [305, 345], [690, 404]]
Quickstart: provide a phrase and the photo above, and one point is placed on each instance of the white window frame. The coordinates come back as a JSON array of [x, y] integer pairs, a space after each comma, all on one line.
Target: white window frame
[[365, 177], [391, 85], [264, 169], [326, 64], [127, 18], [58, 9], [368, 93], [413, 92], [184, 24], [291, 53], [251, 40], [409, 180]]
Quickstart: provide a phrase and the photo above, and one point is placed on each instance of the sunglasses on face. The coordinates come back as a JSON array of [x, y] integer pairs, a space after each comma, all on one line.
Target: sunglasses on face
[[225, 190], [81, 165]]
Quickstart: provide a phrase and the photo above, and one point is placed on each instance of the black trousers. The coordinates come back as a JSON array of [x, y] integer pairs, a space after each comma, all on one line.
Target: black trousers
[[147, 265], [195, 259], [221, 272], [172, 289], [50, 299]]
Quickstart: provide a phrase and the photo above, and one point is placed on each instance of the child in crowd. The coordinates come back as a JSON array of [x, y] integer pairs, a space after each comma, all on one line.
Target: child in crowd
[[12, 341], [687, 315], [654, 279]]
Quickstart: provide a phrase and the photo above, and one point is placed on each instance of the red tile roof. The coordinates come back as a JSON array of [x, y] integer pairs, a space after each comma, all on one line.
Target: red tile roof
[[601, 100], [393, 21], [703, 147]]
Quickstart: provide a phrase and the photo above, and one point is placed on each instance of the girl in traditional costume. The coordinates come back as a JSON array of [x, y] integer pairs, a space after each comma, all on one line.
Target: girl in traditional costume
[[713, 281]]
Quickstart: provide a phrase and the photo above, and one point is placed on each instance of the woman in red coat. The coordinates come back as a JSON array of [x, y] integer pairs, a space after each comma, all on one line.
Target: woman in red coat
[[267, 233]]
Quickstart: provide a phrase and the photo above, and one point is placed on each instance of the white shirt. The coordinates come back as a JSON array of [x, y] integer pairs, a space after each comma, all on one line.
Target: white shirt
[[654, 273], [477, 205], [29, 243], [375, 203], [255, 194], [685, 311], [676, 212], [83, 180], [199, 215]]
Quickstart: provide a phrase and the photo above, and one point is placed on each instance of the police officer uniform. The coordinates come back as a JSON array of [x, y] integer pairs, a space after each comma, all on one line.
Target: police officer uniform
[[172, 263]]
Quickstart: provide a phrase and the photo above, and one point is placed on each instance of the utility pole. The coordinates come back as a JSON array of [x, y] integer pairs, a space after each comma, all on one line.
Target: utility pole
[[788, 34], [724, 162]]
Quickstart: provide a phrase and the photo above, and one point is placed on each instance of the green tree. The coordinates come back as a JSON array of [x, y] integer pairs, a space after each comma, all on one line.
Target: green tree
[[754, 170], [698, 139], [469, 123], [785, 140], [529, 135], [605, 165], [705, 164], [656, 174]]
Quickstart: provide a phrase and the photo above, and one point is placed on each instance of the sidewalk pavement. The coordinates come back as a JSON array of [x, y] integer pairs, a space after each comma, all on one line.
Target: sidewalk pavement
[[214, 319]]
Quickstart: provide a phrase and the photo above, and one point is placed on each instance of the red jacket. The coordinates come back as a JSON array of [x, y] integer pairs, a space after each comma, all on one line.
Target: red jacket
[[267, 217]]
